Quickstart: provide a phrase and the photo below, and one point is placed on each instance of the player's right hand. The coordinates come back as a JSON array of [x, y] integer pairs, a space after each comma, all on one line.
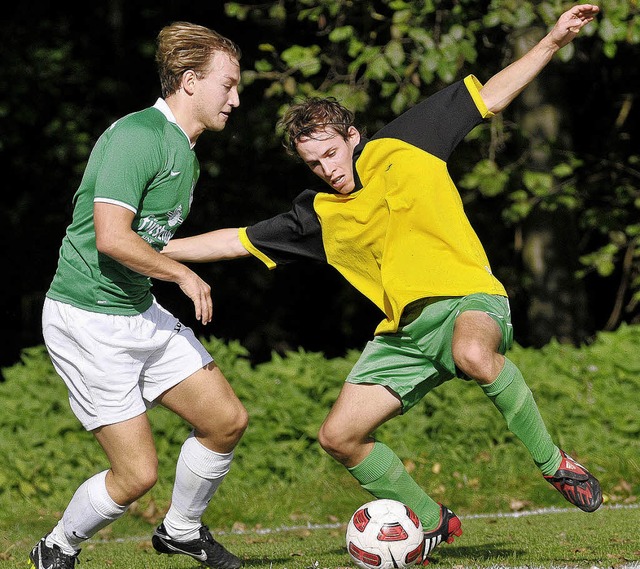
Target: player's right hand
[[200, 294]]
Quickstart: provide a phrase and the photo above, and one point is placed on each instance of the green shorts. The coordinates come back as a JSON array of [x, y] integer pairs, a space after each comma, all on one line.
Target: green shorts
[[418, 357]]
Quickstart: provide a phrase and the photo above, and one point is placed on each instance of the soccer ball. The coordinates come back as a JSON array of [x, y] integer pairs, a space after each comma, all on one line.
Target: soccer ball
[[384, 534]]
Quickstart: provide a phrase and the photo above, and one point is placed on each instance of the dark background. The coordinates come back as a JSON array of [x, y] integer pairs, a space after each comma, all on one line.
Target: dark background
[[66, 74]]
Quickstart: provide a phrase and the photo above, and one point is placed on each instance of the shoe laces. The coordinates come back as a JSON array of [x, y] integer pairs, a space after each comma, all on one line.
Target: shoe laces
[[216, 548], [62, 560]]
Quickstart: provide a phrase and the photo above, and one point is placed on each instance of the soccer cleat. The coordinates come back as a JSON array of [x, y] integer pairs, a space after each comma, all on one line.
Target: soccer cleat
[[576, 484], [448, 527], [204, 549], [44, 557]]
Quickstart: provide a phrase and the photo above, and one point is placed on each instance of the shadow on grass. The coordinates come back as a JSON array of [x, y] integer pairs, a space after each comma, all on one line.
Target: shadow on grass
[[489, 551]]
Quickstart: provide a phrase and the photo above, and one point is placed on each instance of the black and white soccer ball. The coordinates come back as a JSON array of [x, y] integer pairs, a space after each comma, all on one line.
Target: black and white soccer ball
[[385, 534]]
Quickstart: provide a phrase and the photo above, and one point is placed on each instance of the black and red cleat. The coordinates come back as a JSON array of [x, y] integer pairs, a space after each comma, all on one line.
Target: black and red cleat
[[448, 527], [576, 484]]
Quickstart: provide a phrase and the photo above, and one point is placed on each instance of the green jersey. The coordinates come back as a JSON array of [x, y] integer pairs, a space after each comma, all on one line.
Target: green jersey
[[145, 163]]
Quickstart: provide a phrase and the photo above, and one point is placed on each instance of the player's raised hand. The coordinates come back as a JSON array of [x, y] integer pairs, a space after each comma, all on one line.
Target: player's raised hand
[[571, 22], [200, 294]]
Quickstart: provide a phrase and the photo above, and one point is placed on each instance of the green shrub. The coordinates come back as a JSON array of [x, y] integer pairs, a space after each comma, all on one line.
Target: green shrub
[[454, 441]]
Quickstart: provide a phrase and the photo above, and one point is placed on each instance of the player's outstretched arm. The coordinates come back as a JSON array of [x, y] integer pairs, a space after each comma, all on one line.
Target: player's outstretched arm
[[218, 245], [506, 85]]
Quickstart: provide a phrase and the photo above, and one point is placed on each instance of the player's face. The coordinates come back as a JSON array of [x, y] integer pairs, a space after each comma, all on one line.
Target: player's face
[[218, 91], [330, 157]]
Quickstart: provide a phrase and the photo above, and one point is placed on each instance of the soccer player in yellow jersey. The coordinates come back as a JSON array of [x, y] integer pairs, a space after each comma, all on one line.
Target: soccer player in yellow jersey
[[393, 225]]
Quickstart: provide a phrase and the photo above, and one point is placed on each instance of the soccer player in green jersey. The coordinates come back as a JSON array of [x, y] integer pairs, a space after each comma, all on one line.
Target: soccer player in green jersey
[[393, 224], [118, 351]]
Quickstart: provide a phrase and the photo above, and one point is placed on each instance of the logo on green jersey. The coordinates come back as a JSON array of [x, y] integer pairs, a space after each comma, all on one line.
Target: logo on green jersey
[[153, 230]]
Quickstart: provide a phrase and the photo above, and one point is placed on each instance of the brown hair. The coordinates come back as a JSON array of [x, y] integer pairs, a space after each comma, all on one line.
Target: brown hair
[[182, 46], [312, 115]]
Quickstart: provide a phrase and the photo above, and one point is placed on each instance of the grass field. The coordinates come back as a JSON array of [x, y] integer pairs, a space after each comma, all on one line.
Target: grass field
[[549, 538]]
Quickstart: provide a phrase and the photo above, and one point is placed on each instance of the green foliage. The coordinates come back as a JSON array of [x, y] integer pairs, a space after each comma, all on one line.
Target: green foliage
[[399, 43], [486, 177], [287, 399], [454, 441], [620, 23], [36, 461], [396, 47]]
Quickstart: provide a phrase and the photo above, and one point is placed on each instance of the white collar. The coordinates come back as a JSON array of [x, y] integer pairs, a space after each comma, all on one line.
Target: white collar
[[162, 106]]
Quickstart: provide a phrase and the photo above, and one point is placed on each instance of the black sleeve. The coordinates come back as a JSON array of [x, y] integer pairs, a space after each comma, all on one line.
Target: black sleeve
[[437, 124], [291, 236]]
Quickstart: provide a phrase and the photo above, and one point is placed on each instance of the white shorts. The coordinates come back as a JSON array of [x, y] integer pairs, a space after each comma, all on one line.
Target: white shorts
[[116, 366]]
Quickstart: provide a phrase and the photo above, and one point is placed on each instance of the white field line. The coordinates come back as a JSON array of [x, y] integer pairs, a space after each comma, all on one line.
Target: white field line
[[522, 514], [541, 511], [310, 526]]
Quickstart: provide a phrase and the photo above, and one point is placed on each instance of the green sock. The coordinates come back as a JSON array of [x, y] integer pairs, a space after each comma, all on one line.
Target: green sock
[[514, 400], [382, 474]]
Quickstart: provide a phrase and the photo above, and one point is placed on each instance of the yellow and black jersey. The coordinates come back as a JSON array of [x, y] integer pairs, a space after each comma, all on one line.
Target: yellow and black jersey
[[402, 234]]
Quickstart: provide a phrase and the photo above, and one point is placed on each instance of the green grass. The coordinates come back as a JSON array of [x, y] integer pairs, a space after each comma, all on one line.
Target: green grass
[[564, 538]]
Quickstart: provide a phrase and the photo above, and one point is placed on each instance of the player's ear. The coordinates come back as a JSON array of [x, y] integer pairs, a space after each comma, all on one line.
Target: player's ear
[[188, 81], [353, 136]]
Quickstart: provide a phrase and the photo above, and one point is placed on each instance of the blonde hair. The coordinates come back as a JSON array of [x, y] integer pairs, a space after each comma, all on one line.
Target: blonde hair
[[182, 46]]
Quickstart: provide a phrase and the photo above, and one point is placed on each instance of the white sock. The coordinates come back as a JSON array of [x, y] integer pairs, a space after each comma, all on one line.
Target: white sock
[[199, 472], [90, 509]]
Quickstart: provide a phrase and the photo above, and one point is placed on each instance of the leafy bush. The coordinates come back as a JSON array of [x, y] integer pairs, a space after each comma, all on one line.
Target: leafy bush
[[454, 441]]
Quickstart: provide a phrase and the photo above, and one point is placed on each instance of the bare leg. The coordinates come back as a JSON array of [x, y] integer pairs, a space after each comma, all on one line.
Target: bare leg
[[131, 452], [359, 410], [207, 401], [476, 340]]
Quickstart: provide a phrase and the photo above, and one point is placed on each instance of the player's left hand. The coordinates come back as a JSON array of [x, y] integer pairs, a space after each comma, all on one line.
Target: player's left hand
[[571, 22]]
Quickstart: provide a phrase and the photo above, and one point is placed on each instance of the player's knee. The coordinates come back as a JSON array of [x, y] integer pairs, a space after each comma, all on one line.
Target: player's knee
[[147, 480], [327, 439], [236, 424], [224, 432], [334, 440], [239, 424], [474, 360], [138, 482]]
